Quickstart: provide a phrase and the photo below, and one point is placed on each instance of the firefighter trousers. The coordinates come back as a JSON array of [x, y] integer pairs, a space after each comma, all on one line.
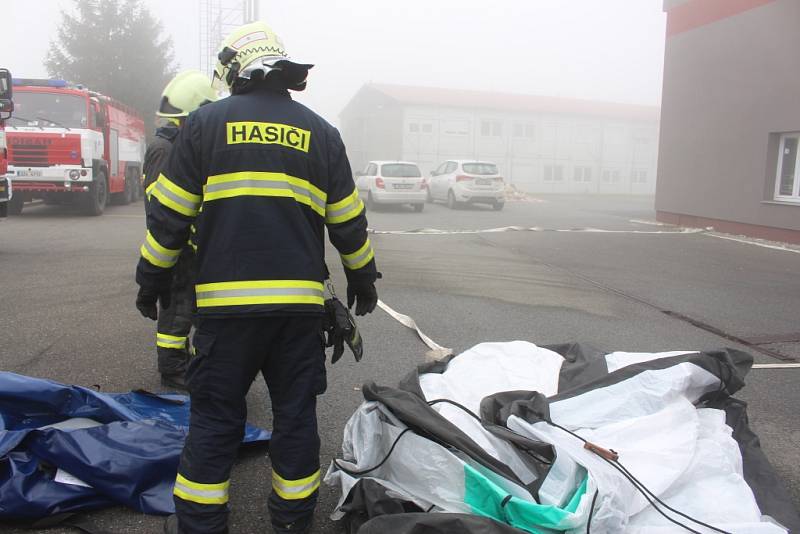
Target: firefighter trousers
[[229, 353], [175, 322]]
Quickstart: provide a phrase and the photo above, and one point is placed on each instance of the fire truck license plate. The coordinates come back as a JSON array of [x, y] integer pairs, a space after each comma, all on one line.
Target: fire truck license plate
[[29, 172]]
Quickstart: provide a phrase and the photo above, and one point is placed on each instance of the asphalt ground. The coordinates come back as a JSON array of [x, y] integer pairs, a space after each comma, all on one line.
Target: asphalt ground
[[67, 314]]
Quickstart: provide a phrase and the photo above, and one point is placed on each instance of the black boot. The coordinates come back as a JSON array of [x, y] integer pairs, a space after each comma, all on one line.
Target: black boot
[[300, 526], [174, 381], [171, 525]]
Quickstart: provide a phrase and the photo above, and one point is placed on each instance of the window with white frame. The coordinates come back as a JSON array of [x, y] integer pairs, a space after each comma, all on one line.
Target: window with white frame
[[638, 177], [491, 128], [553, 173], [413, 127], [524, 130], [611, 176], [787, 180], [427, 127], [582, 174]]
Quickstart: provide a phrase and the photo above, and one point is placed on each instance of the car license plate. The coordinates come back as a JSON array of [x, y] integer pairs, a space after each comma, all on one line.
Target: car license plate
[[29, 172], [403, 186], [483, 181]]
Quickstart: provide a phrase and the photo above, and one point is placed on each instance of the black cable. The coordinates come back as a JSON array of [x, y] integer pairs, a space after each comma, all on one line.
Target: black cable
[[668, 507], [591, 512], [645, 491], [538, 457], [457, 405], [365, 471]]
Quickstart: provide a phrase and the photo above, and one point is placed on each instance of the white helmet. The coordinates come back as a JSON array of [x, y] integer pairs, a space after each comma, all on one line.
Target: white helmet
[[255, 48], [186, 92]]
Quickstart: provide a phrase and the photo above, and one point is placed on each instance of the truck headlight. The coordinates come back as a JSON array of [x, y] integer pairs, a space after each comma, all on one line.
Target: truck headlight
[[74, 174]]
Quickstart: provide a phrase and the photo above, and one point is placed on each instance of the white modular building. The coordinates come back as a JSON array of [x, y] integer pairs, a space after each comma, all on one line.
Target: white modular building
[[541, 144]]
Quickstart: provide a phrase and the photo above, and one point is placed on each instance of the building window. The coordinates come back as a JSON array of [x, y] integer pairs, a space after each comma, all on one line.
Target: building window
[[413, 127], [582, 174], [427, 128], [524, 130], [639, 177], [787, 182], [553, 173], [492, 128], [611, 176]]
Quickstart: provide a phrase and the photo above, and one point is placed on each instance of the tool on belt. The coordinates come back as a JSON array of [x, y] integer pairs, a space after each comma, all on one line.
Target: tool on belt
[[340, 327]]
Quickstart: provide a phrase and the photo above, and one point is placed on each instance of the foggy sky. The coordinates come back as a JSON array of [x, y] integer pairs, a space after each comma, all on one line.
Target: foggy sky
[[595, 49]]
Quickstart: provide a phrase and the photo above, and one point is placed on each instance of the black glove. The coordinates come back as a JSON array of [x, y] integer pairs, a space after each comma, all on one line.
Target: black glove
[[341, 328], [148, 298], [361, 292]]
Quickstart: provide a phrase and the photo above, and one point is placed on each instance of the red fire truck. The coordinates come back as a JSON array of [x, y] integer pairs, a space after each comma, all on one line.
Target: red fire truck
[[67, 144], [6, 107]]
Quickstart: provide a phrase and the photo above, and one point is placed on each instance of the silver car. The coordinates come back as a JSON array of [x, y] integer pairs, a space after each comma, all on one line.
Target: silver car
[[392, 182]]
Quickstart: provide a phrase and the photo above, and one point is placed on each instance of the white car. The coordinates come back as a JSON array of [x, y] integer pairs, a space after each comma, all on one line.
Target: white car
[[392, 182], [467, 181]]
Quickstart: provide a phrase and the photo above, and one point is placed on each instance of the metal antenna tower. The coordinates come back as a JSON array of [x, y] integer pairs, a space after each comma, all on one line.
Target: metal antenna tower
[[217, 19]]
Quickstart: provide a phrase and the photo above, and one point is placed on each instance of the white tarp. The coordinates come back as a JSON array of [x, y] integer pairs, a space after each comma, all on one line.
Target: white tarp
[[683, 454]]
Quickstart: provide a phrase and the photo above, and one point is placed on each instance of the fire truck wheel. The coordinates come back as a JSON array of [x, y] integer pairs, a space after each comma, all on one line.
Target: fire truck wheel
[[126, 196], [15, 205], [97, 197], [136, 196]]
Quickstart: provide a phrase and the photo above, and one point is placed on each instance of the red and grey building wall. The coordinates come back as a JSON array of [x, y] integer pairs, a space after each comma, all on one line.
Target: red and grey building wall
[[729, 154]]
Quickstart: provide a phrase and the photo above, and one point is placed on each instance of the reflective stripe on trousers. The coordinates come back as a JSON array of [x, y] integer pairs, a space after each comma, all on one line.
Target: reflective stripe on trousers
[[292, 490], [201, 493], [168, 341]]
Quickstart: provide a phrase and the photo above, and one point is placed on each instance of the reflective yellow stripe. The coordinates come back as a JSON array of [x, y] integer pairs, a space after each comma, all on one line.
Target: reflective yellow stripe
[[360, 257], [201, 493], [175, 197], [265, 184], [158, 254], [291, 490], [346, 209], [149, 190], [168, 341], [252, 292]]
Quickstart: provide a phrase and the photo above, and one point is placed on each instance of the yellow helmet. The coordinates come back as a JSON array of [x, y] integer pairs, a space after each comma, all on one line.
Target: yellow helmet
[[255, 48], [186, 92]]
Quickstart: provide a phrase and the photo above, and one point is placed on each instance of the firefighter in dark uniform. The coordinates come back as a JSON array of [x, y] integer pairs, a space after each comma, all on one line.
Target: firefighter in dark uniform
[[260, 177], [186, 92]]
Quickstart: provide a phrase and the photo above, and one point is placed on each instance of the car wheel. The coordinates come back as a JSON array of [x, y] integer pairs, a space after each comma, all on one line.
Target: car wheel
[[451, 200], [497, 206], [94, 202], [419, 207]]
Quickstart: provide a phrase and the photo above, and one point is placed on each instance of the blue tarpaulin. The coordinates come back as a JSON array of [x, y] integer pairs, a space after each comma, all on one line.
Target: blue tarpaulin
[[123, 448]]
